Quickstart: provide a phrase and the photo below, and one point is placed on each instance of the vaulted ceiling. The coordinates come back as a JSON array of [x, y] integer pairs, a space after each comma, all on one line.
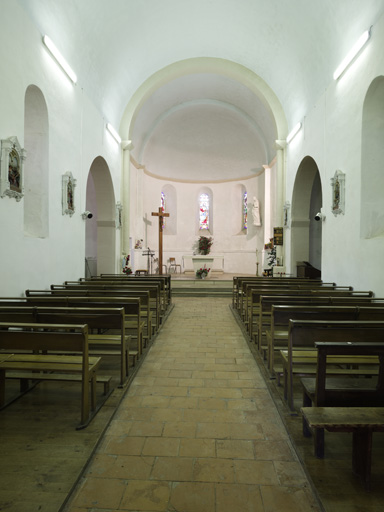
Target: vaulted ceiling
[[205, 123]]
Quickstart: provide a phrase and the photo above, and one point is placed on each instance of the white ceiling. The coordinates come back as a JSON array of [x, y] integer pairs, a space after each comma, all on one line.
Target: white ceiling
[[204, 126]]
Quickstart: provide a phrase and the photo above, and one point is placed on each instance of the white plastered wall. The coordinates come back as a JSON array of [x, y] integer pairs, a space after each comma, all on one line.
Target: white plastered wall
[[76, 137], [237, 246], [332, 135]]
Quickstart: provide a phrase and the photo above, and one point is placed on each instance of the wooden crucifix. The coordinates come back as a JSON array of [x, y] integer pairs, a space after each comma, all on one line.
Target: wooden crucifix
[[161, 215]]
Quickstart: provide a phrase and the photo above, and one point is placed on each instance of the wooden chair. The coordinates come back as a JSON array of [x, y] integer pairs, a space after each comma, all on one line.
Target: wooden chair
[[174, 265]]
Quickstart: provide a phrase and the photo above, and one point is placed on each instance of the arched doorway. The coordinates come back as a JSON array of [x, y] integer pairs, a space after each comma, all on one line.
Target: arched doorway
[[307, 200], [100, 230]]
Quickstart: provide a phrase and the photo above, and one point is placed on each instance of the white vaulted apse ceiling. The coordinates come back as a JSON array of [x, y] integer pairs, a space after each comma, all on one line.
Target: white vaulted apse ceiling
[[204, 88]]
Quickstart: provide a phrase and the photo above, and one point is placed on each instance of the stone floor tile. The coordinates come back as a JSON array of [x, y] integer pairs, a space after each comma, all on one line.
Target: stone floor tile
[[255, 472], [146, 429], [197, 447], [166, 446], [273, 450], [193, 497], [234, 449], [146, 496], [119, 445], [214, 470], [180, 429], [237, 497], [288, 499], [176, 469], [100, 493]]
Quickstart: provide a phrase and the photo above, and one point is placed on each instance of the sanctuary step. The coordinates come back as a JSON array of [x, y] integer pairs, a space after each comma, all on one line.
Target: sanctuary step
[[202, 287]]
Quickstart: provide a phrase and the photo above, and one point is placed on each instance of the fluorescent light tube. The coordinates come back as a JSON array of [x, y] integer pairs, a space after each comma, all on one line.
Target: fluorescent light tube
[[293, 133], [59, 58], [352, 54], [113, 132]]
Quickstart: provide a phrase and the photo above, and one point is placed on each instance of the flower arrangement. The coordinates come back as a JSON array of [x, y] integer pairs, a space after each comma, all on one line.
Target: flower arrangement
[[272, 254], [127, 269], [202, 272], [204, 244]]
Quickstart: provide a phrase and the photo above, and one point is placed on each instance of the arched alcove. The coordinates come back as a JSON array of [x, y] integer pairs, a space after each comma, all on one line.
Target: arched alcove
[[36, 169], [170, 196], [372, 157], [100, 230], [306, 232]]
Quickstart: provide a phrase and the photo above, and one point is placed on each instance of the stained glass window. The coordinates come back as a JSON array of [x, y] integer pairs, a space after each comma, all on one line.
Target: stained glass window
[[162, 203], [204, 211], [245, 211]]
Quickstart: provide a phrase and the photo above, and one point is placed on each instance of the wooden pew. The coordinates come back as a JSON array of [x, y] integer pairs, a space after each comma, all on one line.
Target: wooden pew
[[166, 279], [262, 321], [361, 421], [148, 300], [343, 391], [133, 323], [154, 289], [248, 288], [96, 318], [318, 293], [238, 281], [164, 283], [300, 358], [277, 334], [40, 364]]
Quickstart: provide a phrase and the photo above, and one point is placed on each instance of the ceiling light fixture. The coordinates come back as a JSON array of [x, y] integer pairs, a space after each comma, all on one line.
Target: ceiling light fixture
[[59, 58], [293, 133], [114, 133], [352, 54]]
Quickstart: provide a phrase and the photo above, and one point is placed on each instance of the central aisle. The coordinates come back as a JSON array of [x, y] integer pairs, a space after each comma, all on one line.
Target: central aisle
[[197, 430]]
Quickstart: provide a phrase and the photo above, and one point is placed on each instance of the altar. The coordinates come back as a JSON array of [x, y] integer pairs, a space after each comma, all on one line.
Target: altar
[[193, 262]]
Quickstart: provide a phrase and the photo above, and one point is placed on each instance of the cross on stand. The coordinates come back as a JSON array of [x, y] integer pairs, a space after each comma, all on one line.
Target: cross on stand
[[161, 215]]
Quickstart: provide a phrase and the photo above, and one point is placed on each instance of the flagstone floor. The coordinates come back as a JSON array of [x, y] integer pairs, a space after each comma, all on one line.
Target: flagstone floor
[[198, 430]]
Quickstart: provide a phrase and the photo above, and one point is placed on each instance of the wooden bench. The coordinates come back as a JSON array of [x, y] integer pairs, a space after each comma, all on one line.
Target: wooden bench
[[134, 325], [148, 300], [324, 391], [237, 284], [316, 294], [41, 364], [277, 334], [300, 358], [156, 300], [361, 421]]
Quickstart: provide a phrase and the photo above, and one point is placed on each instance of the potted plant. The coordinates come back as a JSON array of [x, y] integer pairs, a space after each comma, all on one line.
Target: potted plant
[[204, 244], [127, 270], [202, 272]]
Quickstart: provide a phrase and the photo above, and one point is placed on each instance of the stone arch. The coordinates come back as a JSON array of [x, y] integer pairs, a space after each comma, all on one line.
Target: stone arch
[[36, 169], [307, 199], [201, 65], [100, 230], [372, 156]]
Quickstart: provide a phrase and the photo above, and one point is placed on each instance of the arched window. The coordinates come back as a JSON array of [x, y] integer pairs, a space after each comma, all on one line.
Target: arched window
[[245, 210], [204, 211], [168, 203], [162, 203]]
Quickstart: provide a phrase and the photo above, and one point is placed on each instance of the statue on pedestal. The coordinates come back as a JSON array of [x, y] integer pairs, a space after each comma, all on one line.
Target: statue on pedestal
[[256, 212]]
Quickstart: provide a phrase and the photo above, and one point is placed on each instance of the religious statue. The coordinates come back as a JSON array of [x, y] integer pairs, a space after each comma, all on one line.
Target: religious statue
[[256, 212]]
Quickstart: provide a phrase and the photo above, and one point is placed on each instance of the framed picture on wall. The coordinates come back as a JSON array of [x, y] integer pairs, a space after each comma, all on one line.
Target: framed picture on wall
[[338, 193], [12, 168], [68, 194]]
